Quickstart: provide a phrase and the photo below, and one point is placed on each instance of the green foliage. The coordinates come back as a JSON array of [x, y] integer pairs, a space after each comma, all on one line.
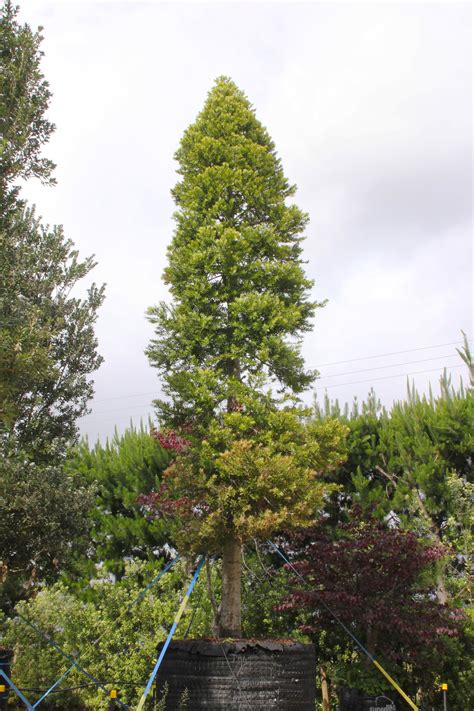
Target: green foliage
[[263, 589], [414, 461], [47, 343], [43, 520], [466, 356], [249, 478], [24, 100], [126, 651], [240, 296], [130, 465]]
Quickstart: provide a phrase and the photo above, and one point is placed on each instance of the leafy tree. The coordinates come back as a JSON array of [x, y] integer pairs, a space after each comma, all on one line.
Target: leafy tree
[[130, 465], [376, 580], [43, 521], [24, 100], [47, 344], [228, 346]]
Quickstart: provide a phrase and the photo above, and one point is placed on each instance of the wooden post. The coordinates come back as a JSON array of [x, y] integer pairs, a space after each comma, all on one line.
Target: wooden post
[[324, 690]]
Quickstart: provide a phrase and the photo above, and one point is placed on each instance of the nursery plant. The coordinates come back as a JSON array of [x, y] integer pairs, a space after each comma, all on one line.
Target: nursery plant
[[247, 461]]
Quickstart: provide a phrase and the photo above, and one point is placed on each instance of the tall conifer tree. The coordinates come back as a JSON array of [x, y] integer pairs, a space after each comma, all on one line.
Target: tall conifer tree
[[228, 345]]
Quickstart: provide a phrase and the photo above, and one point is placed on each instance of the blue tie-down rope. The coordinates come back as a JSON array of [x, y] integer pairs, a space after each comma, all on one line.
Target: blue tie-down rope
[[182, 607], [17, 691], [56, 683]]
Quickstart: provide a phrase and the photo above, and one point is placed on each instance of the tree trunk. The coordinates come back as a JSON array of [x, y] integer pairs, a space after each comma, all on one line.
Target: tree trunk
[[230, 621]]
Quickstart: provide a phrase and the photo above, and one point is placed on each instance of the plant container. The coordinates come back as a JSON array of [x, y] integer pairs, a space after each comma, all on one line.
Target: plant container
[[226, 675]]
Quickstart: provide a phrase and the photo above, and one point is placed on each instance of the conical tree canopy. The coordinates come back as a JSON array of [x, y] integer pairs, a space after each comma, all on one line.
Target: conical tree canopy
[[229, 341], [240, 296]]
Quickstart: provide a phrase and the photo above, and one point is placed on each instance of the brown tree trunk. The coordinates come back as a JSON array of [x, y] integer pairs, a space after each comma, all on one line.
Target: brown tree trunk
[[229, 623], [230, 620]]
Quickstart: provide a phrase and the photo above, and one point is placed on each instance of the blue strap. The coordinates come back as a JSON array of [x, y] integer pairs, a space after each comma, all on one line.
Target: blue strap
[[154, 581], [46, 693], [171, 633], [17, 691]]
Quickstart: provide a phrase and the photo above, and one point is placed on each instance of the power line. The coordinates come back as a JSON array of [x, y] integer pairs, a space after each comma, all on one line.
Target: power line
[[119, 409], [385, 377], [123, 397], [392, 365], [383, 355]]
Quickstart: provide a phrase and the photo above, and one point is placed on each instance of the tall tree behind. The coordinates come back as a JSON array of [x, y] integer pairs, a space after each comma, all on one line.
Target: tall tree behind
[[233, 331], [24, 100], [47, 343]]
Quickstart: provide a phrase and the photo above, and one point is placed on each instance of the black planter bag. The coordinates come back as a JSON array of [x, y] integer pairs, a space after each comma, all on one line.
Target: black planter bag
[[245, 675]]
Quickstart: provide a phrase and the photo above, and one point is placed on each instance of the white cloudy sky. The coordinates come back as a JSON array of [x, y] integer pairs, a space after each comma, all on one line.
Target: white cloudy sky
[[370, 108]]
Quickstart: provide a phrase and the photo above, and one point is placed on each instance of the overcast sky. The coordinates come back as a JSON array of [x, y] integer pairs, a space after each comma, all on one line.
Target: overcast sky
[[370, 109]]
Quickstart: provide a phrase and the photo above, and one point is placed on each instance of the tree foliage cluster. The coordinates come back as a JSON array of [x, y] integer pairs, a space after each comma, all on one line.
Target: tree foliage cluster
[[121, 471], [248, 484], [25, 98], [47, 343], [48, 349], [378, 581], [43, 521]]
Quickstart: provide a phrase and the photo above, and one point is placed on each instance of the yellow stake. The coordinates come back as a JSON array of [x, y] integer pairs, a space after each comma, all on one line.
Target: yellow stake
[[395, 685], [2, 688], [113, 694], [444, 687]]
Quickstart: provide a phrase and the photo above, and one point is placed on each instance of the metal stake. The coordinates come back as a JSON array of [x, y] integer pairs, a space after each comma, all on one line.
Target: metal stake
[[444, 688], [112, 697]]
